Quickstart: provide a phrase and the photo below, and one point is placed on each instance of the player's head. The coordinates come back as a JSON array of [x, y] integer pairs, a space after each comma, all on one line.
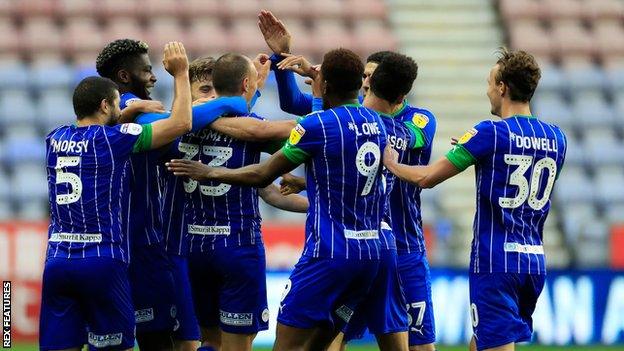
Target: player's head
[[371, 64], [126, 62], [200, 75], [97, 97], [235, 75], [513, 79], [341, 73], [393, 78]]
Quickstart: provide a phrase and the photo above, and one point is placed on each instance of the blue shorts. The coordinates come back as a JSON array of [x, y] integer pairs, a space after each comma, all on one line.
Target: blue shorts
[[416, 281], [86, 300], [189, 327], [324, 292], [383, 310], [229, 288], [151, 271], [501, 305]]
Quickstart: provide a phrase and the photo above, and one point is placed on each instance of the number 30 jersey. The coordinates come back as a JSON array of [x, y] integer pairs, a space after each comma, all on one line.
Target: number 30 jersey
[[87, 170], [342, 149], [517, 161], [219, 214]]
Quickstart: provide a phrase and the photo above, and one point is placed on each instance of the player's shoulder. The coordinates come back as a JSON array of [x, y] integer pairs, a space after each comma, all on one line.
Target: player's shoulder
[[410, 113], [58, 131], [124, 128], [127, 99]]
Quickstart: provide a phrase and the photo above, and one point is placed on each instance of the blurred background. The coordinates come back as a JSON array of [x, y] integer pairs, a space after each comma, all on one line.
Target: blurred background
[[47, 46]]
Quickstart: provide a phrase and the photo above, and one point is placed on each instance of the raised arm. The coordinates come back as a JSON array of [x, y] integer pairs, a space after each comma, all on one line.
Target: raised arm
[[138, 107], [166, 130], [293, 202], [253, 129], [277, 37], [258, 175], [423, 176]]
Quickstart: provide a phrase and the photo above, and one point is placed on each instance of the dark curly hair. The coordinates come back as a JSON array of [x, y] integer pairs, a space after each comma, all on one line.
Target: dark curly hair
[[342, 69], [378, 56], [117, 54], [520, 72], [394, 77], [201, 69]]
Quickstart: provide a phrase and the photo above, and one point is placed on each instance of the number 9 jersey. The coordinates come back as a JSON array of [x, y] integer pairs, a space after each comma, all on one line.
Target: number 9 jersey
[[517, 161], [342, 149]]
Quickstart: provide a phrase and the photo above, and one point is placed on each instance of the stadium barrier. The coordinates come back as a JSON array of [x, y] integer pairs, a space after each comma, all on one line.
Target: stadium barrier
[[576, 306]]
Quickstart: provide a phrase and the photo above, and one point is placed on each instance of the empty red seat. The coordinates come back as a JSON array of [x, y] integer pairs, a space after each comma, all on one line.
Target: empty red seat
[[83, 34], [35, 8], [362, 9], [121, 28], [601, 9], [531, 36], [10, 35], [331, 35], [571, 38], [609, 37], [41, 34], [207, 37], [563, 9], [512, 10], [372, 36], [328, 8], [240, 9], [162, 30], [200, 8], [78, 8], [246, 37], [286, 10]]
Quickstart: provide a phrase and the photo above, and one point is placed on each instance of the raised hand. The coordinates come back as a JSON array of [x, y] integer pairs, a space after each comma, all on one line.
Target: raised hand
[[175, 59], [298, 64], [275, 33], [263, 66]]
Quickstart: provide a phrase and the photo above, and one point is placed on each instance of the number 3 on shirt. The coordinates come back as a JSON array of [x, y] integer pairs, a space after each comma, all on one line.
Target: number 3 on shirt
[[369, 171], [66, 177], [526, 190], [221, 155]]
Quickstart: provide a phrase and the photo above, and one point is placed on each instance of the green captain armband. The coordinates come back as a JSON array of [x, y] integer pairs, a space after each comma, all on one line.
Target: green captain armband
[[418, 134], [272, 147], [144, 142], [460, 157], [294, 154]]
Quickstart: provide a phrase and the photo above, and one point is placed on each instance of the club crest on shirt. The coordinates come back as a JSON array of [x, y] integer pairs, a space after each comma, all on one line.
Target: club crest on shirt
[[467, 136], [131, 101], [131, 128], [420, 120], [296, 134]]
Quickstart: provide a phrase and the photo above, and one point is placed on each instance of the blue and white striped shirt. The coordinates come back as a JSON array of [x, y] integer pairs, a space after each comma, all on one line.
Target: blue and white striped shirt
[[517, 161], [87, 169]]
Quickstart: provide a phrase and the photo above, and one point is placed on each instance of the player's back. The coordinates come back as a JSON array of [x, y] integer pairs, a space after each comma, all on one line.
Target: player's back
[[404, 202], [87, 178], [343, 176], [219, 214], [515, 179]]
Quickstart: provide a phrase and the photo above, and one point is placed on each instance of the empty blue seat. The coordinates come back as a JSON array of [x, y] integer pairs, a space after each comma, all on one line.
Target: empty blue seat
[[14, 74], [55, 109], [16, 106], [29, 182], [585, 77], [552, 80], [592, 110], [47, 75], [552, 108]]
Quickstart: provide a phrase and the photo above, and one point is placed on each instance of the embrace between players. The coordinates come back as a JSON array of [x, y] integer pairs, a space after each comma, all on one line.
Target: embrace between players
[[155, 222]]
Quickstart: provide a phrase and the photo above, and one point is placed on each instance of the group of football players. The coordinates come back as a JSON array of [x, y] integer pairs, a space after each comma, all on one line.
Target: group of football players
[[155, 232]]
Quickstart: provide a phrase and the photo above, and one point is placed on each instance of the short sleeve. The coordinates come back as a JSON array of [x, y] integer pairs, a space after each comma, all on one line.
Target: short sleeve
[[423, 127], [472, 147], [126, 99], [127, 138], [305, 140]]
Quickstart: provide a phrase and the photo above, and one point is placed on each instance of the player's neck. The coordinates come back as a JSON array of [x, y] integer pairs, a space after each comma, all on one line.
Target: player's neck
[[513, 108], [380, 105], [88, 121], [335, 102]]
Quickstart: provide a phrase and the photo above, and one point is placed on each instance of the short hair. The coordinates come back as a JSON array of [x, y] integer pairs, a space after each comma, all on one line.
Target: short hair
[[90, 92], [520, 72], [229, 72], [117, 55], [394, 76], [201, 69], [342, 69], [379, 56]]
